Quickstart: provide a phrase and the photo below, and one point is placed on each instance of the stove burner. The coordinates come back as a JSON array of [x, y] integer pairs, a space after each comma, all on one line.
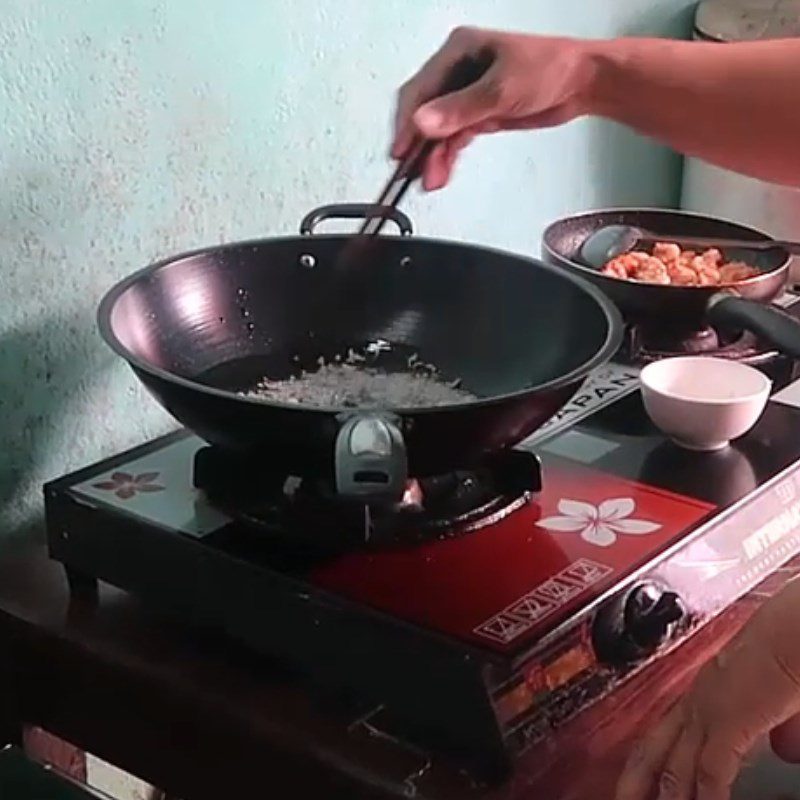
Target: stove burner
[[646, 344], [307, 514]]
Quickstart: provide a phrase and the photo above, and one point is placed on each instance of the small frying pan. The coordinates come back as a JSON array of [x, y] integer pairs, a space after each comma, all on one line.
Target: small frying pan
[[738, 306]]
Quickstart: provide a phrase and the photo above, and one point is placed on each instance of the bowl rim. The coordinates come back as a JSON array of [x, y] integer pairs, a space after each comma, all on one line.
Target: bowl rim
[[758, 394]]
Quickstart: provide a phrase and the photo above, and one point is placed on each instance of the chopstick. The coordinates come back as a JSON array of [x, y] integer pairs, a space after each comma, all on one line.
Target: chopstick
[[463, 74], [359, 248], [407, 171]]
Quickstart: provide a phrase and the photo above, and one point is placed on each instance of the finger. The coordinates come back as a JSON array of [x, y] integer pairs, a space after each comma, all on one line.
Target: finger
[[424, 85], [678, 775], [785, 741], [448, 115], [403, 139], [718, 765], [456, 145], [644, 767], [436, 172], [440, 164], [406, 137]]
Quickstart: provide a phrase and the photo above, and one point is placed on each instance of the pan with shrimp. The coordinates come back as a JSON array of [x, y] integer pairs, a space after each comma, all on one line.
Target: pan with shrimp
[[665, 286]]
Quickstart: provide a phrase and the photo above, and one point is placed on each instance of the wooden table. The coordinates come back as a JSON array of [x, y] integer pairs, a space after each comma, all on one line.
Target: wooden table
[[202, 720]]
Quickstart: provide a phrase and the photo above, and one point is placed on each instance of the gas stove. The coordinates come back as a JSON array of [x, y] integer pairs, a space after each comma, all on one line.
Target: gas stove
[[643, 343], [491, 605]]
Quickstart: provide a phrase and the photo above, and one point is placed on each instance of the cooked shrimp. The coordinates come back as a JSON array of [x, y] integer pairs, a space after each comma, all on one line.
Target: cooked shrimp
[[652, 271], [617, 268], [736, 271], [706, 270], [668, 264], [666, 251], [683, 276], [712, 257]]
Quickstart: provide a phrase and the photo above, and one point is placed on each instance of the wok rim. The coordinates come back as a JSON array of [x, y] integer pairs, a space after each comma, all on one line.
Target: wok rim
[[678, 212], [611, 344]]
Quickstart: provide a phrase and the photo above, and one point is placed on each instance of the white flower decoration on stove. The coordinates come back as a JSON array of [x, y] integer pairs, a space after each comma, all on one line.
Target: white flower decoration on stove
[[599, 525]]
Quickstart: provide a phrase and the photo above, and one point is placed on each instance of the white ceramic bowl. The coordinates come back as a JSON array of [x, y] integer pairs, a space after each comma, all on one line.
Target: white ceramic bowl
[[702, 403]]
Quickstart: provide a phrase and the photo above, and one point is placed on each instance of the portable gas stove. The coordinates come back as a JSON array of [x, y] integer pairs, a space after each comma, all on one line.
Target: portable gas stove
[[490, 606]]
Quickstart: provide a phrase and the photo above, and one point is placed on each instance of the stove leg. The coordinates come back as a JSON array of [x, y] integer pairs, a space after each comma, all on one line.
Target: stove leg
[[81, 585]]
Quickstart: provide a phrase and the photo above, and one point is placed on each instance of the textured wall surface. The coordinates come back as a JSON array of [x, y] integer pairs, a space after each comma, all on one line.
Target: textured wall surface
[[129, 130]]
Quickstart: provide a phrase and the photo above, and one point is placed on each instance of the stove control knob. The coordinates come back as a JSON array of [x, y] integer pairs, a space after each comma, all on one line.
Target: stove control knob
[[632, 627], [370, 437]]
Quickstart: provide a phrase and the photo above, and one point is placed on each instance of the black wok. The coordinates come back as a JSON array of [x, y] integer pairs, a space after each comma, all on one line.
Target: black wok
[[739, 306], [199, 328]]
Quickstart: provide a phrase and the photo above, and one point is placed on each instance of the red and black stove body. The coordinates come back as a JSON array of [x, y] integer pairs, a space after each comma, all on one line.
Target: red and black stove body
[[491, 605]]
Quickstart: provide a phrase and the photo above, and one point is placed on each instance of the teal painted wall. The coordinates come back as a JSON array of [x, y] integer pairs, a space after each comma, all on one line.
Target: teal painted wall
[[132, 129]]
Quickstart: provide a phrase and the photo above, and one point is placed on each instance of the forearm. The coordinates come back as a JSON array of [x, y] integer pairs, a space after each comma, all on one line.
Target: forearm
[[734, 105]]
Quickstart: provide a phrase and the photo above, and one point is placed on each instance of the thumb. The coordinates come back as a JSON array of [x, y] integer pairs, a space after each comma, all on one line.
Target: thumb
[[446, 116], [785, 740]]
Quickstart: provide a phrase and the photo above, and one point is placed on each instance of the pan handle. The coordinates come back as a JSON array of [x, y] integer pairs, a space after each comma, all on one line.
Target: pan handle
[[370, 462], [777, 327], [355, 211]]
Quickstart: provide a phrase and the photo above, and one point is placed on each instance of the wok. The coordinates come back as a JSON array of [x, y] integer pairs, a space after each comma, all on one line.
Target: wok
[[201, 327], [738, 306]]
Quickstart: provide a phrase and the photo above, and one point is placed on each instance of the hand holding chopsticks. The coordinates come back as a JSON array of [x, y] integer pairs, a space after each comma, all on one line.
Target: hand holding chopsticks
[[464, 73]]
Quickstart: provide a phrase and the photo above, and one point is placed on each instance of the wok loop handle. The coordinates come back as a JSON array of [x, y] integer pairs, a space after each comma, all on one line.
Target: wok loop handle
[[370, 461], [356, 211], [777, 327]]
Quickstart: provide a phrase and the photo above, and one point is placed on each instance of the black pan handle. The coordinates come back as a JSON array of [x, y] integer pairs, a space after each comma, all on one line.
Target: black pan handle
[[370, 462], [355, 211], [774, 325]]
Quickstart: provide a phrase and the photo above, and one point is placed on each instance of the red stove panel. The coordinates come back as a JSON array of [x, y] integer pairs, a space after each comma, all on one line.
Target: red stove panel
[[504, 585]]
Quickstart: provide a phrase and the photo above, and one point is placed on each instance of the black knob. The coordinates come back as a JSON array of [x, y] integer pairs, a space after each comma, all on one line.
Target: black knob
[[649, 613], [634, 626]]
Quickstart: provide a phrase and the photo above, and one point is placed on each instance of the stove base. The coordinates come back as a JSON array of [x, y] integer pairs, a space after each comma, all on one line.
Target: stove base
[[425, 688], [483, 705]]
